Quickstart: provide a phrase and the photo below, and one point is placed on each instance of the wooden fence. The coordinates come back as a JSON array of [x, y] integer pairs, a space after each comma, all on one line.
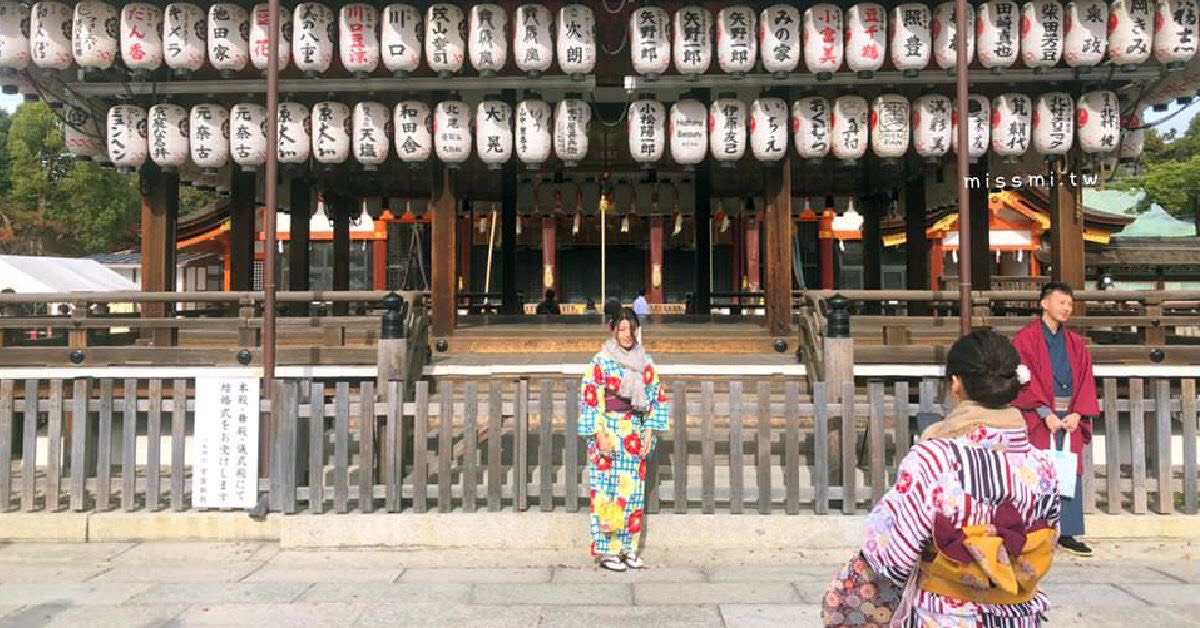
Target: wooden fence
[[772, 447]]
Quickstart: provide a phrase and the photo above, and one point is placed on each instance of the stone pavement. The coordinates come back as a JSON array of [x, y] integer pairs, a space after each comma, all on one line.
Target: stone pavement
[[205, 584]]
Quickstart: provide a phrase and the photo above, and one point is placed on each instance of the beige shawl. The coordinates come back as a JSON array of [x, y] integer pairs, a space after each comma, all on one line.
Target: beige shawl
[[968, 415]]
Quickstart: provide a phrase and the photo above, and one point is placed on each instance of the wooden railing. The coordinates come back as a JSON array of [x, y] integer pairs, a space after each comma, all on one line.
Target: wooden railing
[[497, 444]]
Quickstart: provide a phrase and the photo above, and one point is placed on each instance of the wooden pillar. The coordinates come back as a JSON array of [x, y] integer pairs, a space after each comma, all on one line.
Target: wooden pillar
[[242, 231], [738, 259], [936, 264], [702, 299], [379, 264], [508, 240], [465, 245], [825, 235], [299, 251], [160, 213], [778, 222], [1066, 232], [916, 245], [550, 270], [654, 274], [752, 250], [341, 250], [872, 242], [443, 209], [982, 261]]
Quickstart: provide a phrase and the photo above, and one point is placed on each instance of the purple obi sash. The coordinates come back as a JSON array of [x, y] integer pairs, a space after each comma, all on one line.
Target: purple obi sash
[[613, 403]]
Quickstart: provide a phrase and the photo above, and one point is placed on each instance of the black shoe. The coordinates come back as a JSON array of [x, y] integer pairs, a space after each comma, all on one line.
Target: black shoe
[[1075, 546]]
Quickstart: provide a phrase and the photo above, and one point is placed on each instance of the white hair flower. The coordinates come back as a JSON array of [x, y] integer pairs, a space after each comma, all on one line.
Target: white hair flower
[[1023, 374]]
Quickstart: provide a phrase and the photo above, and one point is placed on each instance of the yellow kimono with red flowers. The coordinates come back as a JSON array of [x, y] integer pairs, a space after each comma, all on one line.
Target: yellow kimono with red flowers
[[618, 477]]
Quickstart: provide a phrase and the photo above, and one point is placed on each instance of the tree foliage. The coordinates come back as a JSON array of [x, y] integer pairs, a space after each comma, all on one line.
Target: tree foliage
[[1171, 176]]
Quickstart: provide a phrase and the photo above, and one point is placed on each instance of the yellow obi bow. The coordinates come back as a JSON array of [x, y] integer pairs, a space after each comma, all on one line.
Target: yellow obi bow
[[997, 563]]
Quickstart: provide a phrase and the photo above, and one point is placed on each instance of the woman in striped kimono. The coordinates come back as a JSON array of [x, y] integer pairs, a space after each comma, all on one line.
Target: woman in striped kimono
[[621, 405]]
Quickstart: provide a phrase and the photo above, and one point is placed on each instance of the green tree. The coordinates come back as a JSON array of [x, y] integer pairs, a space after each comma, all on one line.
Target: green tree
[[1171, 176]]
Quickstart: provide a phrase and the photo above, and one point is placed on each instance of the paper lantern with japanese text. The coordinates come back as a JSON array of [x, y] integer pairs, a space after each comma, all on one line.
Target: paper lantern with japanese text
[[208, 136], [1130, 37], [1053, 124], [487, 43], [866, 38], [1011, 120], [331, 132], [1098, 120], [228, 37], [295, 137], [727, 129], [912, 37], [1041, 34], [1133, 138], [400, 39], [996, 27], [737, 39], [823, 38], [1087, 32], [370, 129], [358, 42], [533, 42], [811, 128], [781, 46], [931, 126], [445, 31], [412, 122], [259, 33], [127, 136], [890, 126], [576, 40], [945, 52], [850, 132], [95, 35], [649, 41], [533, 137], [693, 40], [50, 40], [571, 120], [141, 36], [81, 134], [248, 135], [14, 36], [1175, 32], [978, 126], [452, 132], [185, 32], [647, 130], [769, 129], [313, 28], [168, 135], [494, 132], [687, 132]]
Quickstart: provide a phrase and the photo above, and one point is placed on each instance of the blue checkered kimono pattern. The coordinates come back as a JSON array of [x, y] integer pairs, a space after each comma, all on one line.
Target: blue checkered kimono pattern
[[618, 478]]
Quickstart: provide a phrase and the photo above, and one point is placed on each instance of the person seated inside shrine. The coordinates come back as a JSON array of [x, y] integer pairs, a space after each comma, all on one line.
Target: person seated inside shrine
[[549, 305]]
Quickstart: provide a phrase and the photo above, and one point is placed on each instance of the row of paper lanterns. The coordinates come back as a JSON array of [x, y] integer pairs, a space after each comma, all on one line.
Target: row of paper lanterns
[[211, 136], [1039, 34]]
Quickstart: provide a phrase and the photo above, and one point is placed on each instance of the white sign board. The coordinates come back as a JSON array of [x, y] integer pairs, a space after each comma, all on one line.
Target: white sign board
[[225, 473]]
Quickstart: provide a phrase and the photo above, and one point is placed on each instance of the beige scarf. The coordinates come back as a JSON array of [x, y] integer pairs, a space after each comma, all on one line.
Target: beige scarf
[[968, 415]]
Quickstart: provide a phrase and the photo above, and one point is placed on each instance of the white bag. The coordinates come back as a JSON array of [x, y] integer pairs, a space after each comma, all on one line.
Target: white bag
[[1065, 464]]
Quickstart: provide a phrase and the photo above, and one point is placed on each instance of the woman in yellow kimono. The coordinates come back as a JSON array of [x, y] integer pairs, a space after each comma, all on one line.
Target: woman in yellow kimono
[[622, 403]]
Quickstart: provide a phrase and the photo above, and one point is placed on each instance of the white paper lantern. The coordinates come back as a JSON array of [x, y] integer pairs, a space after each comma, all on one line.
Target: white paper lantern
[[260, 46], [650, 43], [400, 40], [811, 128], [358, 41], [1130, 36], [737, 39], [866, 38], [1041, 34], [727, 118], [769, 129], [823, 37], [313, 29], [1011, 121], [208, 136], [1053, 124], [50, 36], [494, 132], [168, 135], [1175, 32], [945, 51], [228, 37], [14, 36], [533, 42], [912, 37], [487, 43], [999, 43], [571, 121], [141, 36], [331, 132], [452, 132], [370, 128], [1133, 138], [850, 133], [890, 126], [1098, 118], [248, 135], [126, 136], [647, 130], [94, 37], [184, 35], [687, 129], [534, 140], [295, 138], [931, 126], [978, 127], [781, 39], [445, 30], [576, 40], [412, 122], [1087, 33], [693, 40], [81, 134]]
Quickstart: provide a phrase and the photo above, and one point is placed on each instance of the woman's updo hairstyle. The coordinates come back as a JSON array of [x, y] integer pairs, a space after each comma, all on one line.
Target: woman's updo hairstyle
[[626, 314], [986, 362]]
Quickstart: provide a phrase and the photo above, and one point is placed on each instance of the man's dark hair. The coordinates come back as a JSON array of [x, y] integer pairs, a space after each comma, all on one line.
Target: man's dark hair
[[550, 294], [642, 292], [986, 362], [1056, 286]]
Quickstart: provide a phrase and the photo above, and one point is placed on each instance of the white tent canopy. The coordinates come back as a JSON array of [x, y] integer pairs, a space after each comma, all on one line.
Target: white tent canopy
[[59, 274]]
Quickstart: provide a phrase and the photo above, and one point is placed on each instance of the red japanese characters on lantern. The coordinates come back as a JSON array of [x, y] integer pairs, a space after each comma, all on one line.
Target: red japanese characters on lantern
[[781, 39], [141, 36], [811, 127], [1053, 124], [866, 38], [50, 31], [647, 130], [260, 20], [1130, 34], [228, 37], [1098, 119], [931, 126], [576, 41], [1011, 121], [693, 40], [823, 37], [184, 37], [358, 39], [412, 122], [445, 31], [1087, 33], [533, 41], [911, 37], [94, 38], [1175, 32], [769, 129], [890, 126], [1041, 34], [945, 50], [727, 129], [850, 127], [487, 43], [649, 41], [493, 131], [737, 39], [996, 28], [400, 39]]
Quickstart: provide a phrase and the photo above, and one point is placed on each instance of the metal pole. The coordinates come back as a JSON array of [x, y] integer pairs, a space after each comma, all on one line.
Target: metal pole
[[603, 252], [964, 209]]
